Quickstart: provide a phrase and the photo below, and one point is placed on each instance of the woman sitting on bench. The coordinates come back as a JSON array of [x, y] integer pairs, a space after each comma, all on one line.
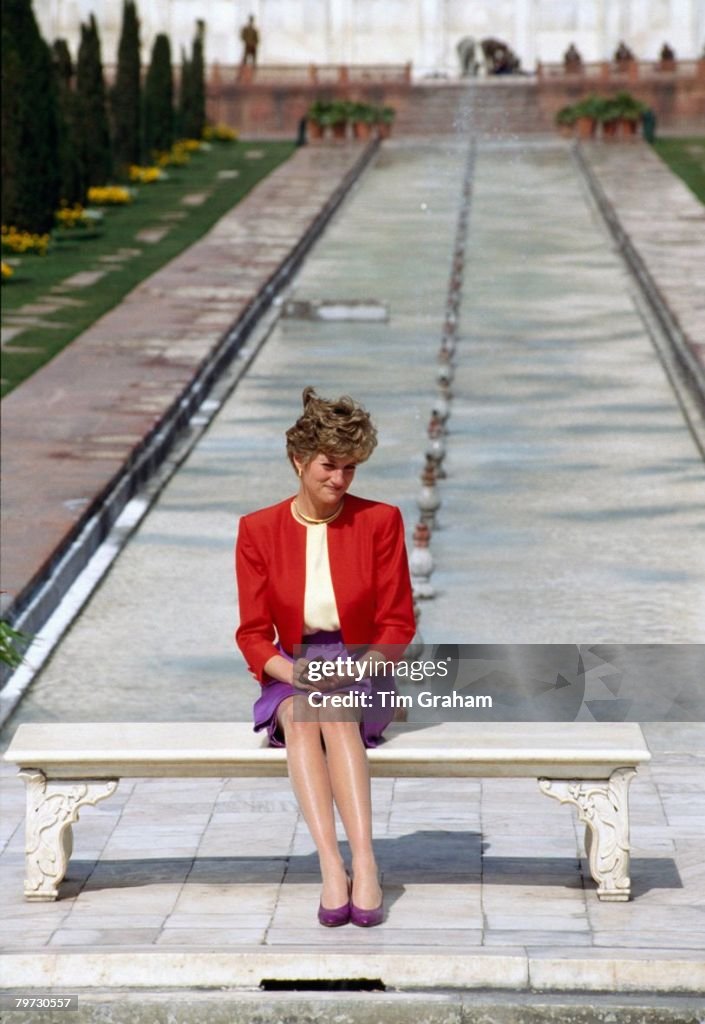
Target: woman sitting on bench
[[322, 577]]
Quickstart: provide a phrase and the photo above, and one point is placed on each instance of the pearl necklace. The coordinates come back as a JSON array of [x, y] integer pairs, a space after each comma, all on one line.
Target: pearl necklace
[[317, 522]]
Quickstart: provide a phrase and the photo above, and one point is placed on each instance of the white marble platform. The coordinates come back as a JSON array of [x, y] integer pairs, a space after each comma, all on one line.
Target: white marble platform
[[215, 882]]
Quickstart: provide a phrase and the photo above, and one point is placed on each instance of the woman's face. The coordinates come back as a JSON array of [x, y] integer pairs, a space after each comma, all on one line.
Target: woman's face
[[326, 478]]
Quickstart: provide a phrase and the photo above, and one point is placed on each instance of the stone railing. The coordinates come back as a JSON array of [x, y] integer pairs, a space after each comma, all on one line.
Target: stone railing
[[219, 75], [306, 74], [622, 71]]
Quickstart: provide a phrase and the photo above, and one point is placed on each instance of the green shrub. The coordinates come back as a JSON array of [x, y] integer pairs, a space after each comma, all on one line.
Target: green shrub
[[384, 115], [566, 116], [12, 644]]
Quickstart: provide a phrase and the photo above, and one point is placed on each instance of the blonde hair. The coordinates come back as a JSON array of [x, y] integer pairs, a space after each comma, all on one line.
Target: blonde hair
[[340, 428]]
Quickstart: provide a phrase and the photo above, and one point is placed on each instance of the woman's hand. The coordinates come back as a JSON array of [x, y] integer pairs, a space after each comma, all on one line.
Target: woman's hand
[[299, 675], [323, 683]]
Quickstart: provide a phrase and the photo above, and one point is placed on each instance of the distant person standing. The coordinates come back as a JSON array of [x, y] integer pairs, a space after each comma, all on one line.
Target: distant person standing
[[250, 42]]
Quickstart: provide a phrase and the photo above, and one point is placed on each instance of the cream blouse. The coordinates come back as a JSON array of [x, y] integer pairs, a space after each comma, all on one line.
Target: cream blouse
[[320, 609]]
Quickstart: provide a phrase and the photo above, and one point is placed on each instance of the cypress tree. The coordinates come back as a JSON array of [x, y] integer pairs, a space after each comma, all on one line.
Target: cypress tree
[[159, 99], [30, 122], [198, 85], [93, 131], [126, 104], [185, 96], [192, 96], [11, 134], [73, 185]]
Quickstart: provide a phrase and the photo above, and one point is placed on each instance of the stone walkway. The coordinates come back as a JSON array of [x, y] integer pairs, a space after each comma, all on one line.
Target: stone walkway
[[665, 223], [214, 882]]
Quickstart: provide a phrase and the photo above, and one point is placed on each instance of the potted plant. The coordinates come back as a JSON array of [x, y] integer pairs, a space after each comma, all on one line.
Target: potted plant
[[608, 116], [338, 118], [587, 112], [565, 119], [317, 118], [384, 118], [629, 111], [362, 117]]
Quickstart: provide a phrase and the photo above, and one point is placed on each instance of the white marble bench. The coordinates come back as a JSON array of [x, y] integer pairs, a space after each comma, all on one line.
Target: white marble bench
[[68, 766]]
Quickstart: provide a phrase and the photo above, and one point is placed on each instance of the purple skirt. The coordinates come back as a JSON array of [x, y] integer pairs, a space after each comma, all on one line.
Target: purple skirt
[[326, 646]]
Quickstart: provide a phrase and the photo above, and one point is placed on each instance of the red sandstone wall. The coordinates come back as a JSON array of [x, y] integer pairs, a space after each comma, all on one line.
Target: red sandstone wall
[[514, 106], [679, 101]]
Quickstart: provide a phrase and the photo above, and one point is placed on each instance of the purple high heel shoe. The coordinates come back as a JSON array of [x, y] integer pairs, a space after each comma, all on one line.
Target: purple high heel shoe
[[337, 916], [366, 918]]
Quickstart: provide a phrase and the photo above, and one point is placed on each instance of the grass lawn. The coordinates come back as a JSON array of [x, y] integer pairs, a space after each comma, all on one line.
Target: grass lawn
[[686, 158], [153, 209]]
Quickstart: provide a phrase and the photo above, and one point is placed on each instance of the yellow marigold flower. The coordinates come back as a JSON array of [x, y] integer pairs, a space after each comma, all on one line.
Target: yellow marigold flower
[[24, 241], [220, 133], [144, 175], [109, 195], [70, 216]]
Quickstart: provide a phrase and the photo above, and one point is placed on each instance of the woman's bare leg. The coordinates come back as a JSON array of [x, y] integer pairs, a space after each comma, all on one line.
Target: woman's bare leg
[[349, 774], [308, 772]]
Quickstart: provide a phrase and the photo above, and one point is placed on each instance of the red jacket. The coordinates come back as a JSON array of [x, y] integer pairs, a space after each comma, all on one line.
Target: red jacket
[[368, 566]]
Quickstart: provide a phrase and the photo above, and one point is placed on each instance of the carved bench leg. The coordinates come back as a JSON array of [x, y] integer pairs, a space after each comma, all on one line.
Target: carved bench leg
[[603, 805], [53, 806]]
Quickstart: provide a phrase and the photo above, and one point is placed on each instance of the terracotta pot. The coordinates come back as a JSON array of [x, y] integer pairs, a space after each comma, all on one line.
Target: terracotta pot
[[314, 130], [339, 131], [610, 129], [362, 130], [628, 128], [384, 131], [585, 127]]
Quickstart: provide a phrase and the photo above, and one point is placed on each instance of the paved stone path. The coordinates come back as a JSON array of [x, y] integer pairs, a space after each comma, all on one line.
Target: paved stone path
[[666, 224], [543, 430], [571, 469]]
